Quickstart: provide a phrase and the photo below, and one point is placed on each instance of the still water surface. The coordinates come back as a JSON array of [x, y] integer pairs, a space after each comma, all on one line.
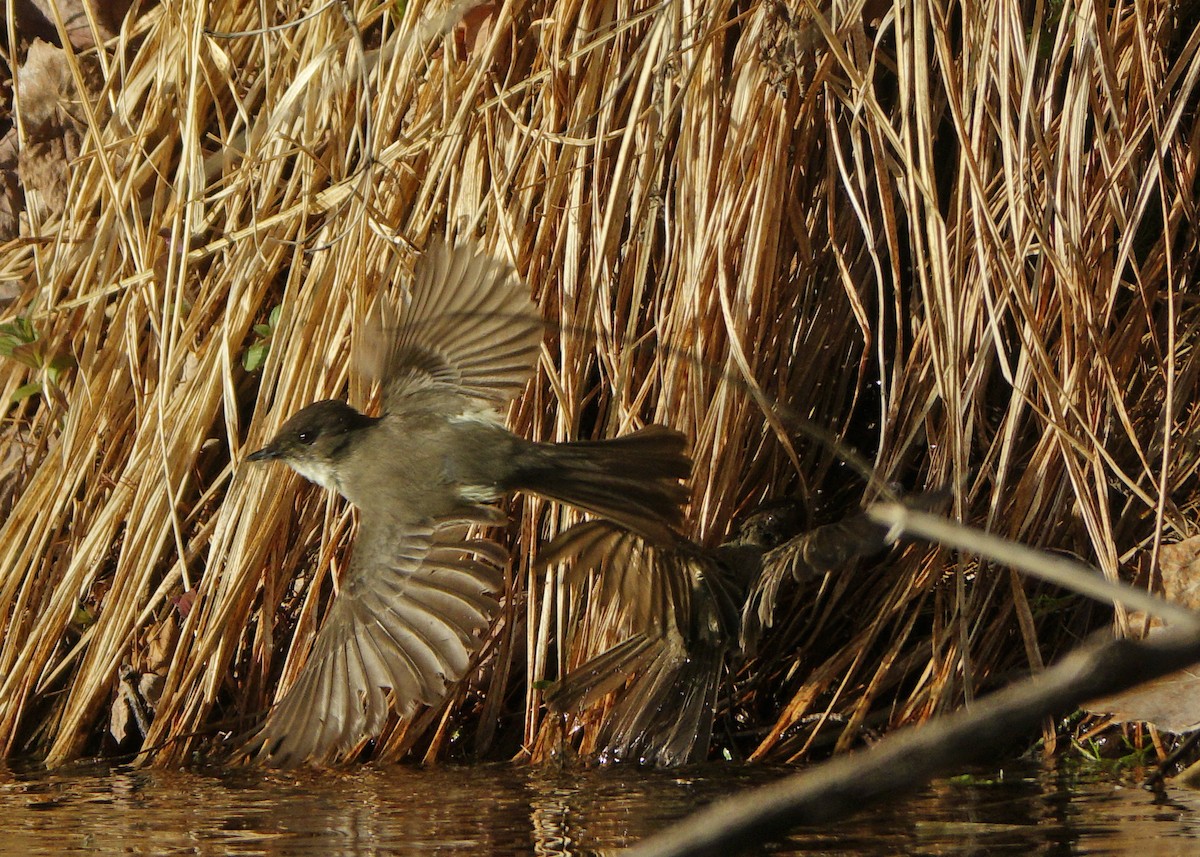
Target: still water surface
[[507, 810]]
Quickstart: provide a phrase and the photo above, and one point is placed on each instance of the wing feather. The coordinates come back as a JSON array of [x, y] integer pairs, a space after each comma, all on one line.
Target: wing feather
[[469, 328], [405, 626]]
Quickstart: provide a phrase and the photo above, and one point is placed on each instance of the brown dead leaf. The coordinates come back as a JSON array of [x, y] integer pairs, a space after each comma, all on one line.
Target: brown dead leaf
[[11, 203], [184, 603], [150, 687], [15, 460], [47, 103], [127, 707], [161, 646], [135, 701], [475, 28], [44, 173], [1180, 567], [46, 93], [1171, 703], [119, 715], [35, 19], [1178, 580]]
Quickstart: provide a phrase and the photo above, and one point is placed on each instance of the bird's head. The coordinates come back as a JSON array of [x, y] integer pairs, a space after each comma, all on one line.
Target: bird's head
[[314, 441]]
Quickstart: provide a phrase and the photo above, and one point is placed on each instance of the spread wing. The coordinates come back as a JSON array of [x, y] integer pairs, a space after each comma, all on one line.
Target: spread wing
[[470, 328], [812, 555], [665, 677], [641, 586], [406, 623]]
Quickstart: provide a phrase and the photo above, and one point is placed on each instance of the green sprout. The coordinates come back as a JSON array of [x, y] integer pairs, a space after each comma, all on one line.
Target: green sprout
[[20, 341], [256, 354]]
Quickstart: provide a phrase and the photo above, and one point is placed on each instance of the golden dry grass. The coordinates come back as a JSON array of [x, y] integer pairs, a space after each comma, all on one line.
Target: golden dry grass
[[961, 238]]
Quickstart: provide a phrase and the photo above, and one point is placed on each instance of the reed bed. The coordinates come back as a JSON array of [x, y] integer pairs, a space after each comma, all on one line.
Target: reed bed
[[959, 239]]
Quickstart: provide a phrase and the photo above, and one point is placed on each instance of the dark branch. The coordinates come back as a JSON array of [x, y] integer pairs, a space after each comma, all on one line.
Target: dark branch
[[904, 761]]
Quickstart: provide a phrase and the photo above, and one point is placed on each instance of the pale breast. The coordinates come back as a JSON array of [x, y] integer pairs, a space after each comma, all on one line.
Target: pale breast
[[423, 465]]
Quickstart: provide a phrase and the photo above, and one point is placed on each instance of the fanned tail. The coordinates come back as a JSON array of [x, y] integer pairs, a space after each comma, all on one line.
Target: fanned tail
[[667, 693], [635, 481]]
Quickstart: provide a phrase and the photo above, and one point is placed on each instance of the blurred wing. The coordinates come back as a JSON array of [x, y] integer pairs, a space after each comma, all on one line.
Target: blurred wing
[[638, 585], [407, 621], [816, 553], [588, 683], [806, 557], [469, 328], [665, 717], [666, 675], [666, 692]]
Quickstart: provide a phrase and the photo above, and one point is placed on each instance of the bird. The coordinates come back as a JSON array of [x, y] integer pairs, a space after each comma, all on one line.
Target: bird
[[683, 608], [422, 586], [694, 615]]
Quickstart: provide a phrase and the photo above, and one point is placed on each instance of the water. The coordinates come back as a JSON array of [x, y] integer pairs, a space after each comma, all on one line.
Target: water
[[508, 810]]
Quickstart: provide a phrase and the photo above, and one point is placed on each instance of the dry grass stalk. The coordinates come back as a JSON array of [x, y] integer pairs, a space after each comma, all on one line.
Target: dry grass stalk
[[958, 240]]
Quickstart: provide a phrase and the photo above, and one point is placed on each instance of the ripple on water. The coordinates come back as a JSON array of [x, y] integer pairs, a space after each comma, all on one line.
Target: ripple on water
[[507, 810]]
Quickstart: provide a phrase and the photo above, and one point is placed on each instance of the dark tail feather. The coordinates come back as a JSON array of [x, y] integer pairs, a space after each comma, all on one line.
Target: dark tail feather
[[665, 717], [635, 481], [588, 683], [667, 693]]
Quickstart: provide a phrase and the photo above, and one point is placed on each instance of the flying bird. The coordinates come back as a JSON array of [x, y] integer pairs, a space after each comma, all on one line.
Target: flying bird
[[694, 615], [419, 594]]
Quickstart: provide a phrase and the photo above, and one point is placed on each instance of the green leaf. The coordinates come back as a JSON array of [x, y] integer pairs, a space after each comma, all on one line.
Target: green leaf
[[263, 330], [20, 330], [17, 339], [57, 365], [273, 319], [83, 617], [27, 354], [16, 334], [25, 391], [255, 356]]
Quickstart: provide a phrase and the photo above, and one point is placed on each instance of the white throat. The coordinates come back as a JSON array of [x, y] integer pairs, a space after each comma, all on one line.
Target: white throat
[[318, 472]]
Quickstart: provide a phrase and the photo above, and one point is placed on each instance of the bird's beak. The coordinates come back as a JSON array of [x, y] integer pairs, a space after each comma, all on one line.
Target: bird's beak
[[267, 453]]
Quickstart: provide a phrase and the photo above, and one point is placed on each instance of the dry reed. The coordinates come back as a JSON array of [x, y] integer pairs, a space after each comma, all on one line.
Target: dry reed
[[959, 238]]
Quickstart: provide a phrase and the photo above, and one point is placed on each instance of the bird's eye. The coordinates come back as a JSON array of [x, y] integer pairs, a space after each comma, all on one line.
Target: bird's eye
[[306, 437]]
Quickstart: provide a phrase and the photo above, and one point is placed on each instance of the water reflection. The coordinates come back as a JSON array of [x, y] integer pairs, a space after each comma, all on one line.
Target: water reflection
[[507, 810]]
